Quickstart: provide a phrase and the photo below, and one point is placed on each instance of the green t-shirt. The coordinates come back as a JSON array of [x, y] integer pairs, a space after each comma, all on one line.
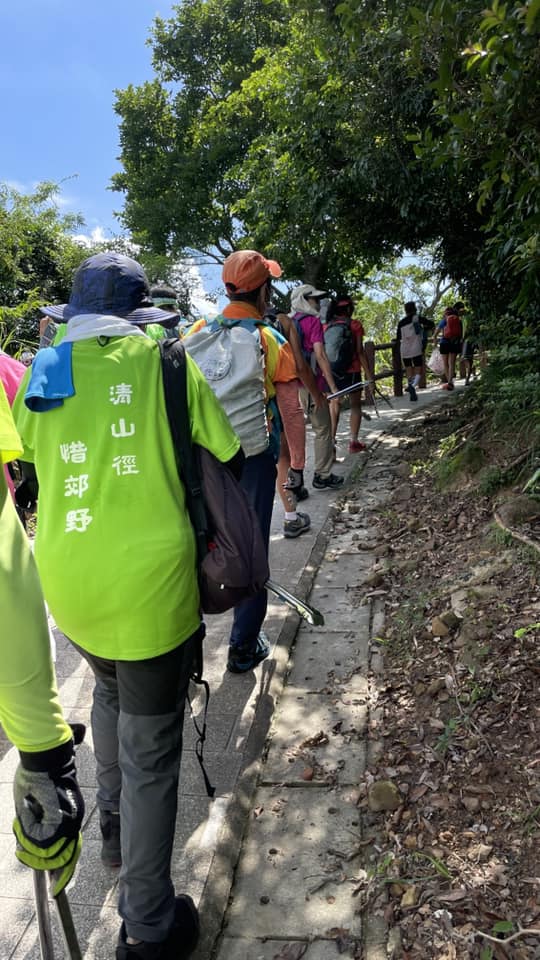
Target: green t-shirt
[[114, 544], [29, 709]]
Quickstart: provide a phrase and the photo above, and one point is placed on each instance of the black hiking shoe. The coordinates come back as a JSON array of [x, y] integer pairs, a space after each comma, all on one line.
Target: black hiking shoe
[[412, 392], [240, 661], [327, 483], [180, 943], [109, 823]]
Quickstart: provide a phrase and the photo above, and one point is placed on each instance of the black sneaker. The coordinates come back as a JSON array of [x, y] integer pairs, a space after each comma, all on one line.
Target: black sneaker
[[302, 493], [180, 943], [412, 392], [111, 854], [241, 661], [327, 483]]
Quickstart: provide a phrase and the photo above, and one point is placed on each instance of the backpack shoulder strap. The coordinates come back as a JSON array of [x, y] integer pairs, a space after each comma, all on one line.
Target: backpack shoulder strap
[[174, 371]]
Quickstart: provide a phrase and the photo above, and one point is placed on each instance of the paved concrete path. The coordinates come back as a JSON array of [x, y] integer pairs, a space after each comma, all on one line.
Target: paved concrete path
[[285, 829]]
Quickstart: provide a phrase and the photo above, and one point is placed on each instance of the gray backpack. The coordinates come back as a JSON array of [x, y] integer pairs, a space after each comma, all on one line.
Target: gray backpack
[[230, 355]]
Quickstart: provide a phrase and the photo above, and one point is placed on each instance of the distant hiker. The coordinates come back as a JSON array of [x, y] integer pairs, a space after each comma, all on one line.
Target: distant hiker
[[30, 711], [412, 334], [450, 330], [164, 297], [119, 570], [292, 453], [343, 340], [469, 346], [305, 303]]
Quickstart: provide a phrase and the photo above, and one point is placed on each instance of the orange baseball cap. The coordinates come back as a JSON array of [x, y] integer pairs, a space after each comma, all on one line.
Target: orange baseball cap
[[245, 270]]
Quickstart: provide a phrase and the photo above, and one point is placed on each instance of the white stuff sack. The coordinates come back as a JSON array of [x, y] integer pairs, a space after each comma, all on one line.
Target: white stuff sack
[[232, 361], [436, 363]]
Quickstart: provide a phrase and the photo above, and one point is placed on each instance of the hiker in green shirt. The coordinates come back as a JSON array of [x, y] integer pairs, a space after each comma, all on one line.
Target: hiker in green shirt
[[116, 553]]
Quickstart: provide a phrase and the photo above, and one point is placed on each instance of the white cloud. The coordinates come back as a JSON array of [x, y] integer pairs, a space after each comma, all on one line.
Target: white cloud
[[97, 235]]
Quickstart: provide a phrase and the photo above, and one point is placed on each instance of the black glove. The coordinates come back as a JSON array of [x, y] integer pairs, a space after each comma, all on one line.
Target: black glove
[[50, 808]]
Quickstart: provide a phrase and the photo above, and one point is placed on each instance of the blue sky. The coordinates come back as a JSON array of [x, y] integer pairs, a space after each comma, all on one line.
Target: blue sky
[[60, 64]]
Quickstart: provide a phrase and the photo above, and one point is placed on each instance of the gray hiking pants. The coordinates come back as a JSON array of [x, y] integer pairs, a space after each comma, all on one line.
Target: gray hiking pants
[[137, 718], [323, 445]]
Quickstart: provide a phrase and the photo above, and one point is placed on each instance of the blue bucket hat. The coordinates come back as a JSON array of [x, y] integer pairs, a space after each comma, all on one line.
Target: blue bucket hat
[[114, 285]]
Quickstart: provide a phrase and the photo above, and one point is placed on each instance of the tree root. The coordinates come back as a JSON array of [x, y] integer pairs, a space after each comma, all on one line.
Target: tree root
[[521, 932], [533, 544]]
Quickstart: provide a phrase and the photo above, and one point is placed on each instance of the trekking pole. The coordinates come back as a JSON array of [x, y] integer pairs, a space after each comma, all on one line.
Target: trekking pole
[[41, 898], [307, 612], [351, 389], [67, 926], [41, 893]]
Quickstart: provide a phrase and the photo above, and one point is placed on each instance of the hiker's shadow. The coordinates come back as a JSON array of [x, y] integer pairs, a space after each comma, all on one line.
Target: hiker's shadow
[[238, 718]]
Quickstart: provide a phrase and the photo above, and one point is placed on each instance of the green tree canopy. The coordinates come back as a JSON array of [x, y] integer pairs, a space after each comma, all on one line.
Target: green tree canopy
[[337, 135]]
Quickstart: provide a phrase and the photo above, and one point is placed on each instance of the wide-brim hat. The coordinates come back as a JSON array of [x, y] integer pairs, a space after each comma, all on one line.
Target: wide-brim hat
[[111, 284]]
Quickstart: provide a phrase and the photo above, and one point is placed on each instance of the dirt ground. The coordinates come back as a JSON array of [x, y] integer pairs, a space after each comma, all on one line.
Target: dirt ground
[[457, 709]]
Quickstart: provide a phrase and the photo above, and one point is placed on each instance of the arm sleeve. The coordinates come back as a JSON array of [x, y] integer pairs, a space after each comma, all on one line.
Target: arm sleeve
[[25, 421], [30, 711], [210, 426]]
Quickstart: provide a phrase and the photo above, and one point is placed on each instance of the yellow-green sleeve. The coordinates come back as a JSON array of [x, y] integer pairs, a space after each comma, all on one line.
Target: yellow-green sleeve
[[210, 426], [30, 711], [25, 420]]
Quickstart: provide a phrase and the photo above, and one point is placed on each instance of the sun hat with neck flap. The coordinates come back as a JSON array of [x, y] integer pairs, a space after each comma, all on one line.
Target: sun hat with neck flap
[[111, 284]]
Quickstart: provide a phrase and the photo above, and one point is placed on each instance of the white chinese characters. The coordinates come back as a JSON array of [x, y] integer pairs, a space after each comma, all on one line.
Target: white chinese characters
[[124, 465], [73, 452], [76, 486], [77, 521], [120, 393], [122, 429]]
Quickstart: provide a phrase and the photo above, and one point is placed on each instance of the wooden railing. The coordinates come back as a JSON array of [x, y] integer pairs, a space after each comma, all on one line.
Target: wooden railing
[[395, 371]]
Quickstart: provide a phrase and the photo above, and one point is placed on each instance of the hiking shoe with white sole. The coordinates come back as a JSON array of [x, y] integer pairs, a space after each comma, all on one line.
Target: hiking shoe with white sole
[[294, 528]]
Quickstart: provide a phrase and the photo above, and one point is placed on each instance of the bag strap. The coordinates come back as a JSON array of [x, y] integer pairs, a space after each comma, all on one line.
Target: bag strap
[[174, 372]]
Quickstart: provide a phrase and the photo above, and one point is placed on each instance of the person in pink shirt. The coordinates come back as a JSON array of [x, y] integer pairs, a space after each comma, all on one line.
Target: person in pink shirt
[[306, 303], [11, 374]]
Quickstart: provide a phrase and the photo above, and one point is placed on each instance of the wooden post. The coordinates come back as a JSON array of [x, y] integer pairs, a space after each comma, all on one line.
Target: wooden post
[[398, 369], [422, 383], [369, 351]]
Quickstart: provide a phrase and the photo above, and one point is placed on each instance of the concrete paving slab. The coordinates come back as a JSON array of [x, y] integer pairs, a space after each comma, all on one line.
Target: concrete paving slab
[[319, 656], [97, 932], [300, 718], [242, 949], [342, 575], [16, 918], [222, 770], [335, 606], [290, 839]]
